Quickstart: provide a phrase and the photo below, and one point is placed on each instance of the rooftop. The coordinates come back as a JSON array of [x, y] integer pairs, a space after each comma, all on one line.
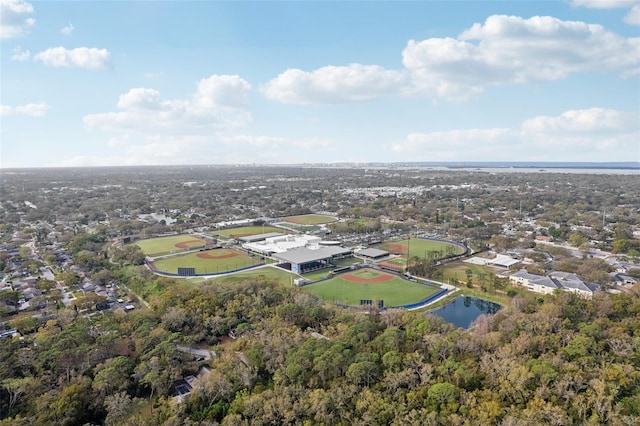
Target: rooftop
[[305, 255]]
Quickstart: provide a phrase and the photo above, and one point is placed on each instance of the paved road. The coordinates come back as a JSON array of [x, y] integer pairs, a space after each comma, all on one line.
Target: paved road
[[206, 354]]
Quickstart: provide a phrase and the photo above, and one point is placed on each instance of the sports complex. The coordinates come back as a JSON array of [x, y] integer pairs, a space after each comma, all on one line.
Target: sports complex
[[324, 269]]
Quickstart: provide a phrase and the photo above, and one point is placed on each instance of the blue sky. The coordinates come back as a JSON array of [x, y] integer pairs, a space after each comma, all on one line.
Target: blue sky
[[208, 82]]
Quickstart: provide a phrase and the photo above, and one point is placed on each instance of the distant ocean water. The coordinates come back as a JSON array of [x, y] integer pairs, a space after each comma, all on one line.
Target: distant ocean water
[[620, 168]]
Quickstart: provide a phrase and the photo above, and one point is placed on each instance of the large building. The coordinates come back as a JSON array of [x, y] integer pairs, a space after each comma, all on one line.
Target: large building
[[372, 253], [281, 244], [553, 281], [304, 259]]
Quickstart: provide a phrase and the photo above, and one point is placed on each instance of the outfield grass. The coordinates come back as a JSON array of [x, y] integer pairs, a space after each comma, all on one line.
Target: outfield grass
[[268, 272], [395, 292], [309, 219], [420, 248], [166, 245], [244, 231], [207, 266], [456, 273]]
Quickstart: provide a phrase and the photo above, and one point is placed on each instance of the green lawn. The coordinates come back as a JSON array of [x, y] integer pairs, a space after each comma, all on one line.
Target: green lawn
[[456, 274], [244, 231], [318, 275], [424, 249], [395, 292], [207, 266], [421, 248], [309, 219], [269, 272], [166, 245]]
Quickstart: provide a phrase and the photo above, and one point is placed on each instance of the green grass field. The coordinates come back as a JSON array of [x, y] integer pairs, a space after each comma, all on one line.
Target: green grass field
[[243, 231], [269, 273], [217, 263], [309, 219], [419, 248], [395, 292], [456, 273], [166, 245]]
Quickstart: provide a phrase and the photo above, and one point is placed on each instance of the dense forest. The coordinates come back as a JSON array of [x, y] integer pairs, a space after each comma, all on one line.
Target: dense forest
[[558, 359]]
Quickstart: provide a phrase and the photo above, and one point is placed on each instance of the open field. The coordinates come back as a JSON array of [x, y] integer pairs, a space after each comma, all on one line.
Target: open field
[[456, 272], [244, 231], [349, 288], [166, 245], [309, 219], [206, 262], [268, 272], [417, 247]]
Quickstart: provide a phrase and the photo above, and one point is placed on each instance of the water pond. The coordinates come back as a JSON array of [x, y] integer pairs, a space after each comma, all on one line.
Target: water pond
[[464, 310]]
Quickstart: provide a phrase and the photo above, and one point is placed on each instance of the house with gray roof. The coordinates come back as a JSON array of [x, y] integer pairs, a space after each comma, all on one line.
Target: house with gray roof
[[536, 283], [547, 284]]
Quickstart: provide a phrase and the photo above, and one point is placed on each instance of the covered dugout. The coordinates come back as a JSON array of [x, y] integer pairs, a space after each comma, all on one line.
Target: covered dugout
[[303, 259], [372, 253]]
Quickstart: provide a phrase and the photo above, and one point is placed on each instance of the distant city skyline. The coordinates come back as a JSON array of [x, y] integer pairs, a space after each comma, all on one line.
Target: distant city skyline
[[283, 82]]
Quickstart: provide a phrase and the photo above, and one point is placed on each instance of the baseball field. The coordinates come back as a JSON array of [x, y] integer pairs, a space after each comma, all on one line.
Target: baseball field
[[206, 262], [417, 247], [244, 231], [172, 244], [370, 284], [309, 219]]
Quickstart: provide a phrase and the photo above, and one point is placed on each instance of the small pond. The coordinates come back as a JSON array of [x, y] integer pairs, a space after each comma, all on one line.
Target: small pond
[[464, 310]]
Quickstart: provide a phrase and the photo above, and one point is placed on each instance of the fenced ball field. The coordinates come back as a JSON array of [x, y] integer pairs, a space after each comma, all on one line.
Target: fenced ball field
[[309, 219], [370, 284], [417, 247], [245, 231], [173, 244], [214, 261]]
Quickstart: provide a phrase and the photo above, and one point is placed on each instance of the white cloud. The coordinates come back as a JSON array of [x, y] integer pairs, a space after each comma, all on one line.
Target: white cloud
[[597, 133], [199, 128], [514, 50], [593, 120], [604, 4], [13, 22], [81, 57], [228, 91], [6, 109], [632, 17], [67, 30], [140, 98], [211, 148], [332, 84], [503, 50], [215, 105], [20, 55], [33, 110], [454, 140]]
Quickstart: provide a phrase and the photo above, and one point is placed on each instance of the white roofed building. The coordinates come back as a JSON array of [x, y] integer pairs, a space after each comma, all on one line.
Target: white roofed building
[[281, 244]]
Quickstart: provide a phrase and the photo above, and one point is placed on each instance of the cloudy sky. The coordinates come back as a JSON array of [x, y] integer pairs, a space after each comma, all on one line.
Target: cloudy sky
[[143, 83]]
